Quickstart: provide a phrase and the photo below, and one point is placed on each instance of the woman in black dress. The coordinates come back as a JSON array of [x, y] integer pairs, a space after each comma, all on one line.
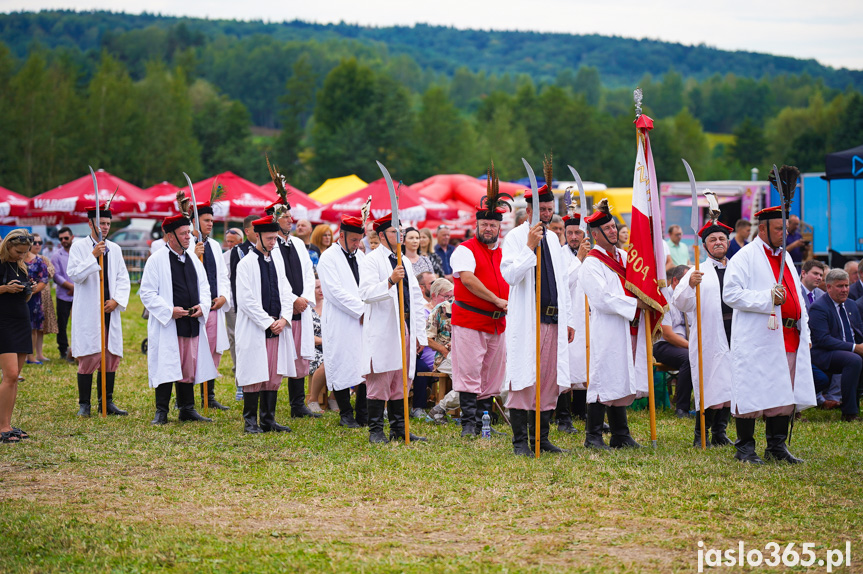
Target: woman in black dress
[[15, 340]]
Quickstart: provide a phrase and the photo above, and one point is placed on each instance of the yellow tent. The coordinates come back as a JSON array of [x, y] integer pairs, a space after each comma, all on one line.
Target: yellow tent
[[337, 188]]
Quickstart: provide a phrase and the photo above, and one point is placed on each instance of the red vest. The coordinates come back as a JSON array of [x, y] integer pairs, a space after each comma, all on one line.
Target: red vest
[[488, 272]]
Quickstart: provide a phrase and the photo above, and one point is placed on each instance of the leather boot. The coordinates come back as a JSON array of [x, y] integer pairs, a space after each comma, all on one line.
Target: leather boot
[[563, 413], [186, 404], [518, 419], [467, 404], [346, 413], [544, 426], [212, 403], [163, 403], [376, 421], [777, 433], [745, 444], [250, 413], [297, 396], [361, 405], [709, 415], [85, 390], [268, 412], [620, 437], [720, 423], [593, 427], [396, 414], [109, 389], [579, 404]]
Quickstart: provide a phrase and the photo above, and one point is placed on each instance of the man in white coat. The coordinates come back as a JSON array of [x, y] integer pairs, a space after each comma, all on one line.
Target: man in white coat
[[771, 369], [518, 267], [83, 270], [381, 355], [300, 273], [618, 363], [175, 291], [715, 333], [265, 347], [342, 321], [209, 253], [577, 247]]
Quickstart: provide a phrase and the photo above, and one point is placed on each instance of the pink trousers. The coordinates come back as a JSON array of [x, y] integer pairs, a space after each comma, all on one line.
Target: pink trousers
[[478, 362], [525, 399], [275, 380], [89, 364]]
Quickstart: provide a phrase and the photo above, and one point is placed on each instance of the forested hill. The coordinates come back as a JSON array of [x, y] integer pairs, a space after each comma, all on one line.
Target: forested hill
[[443, 50]]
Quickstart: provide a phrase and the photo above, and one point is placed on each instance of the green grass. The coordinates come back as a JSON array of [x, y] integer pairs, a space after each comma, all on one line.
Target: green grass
[[120, 495]]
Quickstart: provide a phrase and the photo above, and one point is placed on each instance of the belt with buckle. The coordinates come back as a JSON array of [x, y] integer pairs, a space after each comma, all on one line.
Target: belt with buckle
[[789, 323], [493, 314], [550, 311]]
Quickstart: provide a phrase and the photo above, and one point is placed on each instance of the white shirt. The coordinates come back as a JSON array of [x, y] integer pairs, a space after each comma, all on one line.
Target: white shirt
[[462, 259], [674, 318], [180, 256]]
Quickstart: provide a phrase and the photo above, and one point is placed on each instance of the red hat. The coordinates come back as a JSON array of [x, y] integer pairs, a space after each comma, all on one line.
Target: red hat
[[352, 224], [265, 223], [174, 222], [103, 211], [574, 219], [272, 207], [713, 227], [769, 213], [204, 209], [544, 194], [383, 223]]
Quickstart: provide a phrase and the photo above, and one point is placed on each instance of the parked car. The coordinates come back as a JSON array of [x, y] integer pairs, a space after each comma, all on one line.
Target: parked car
[[132, 238]]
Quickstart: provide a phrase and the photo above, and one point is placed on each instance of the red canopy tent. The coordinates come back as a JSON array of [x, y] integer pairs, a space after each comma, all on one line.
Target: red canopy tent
[[162, 199], [241, 197], [302, 206], [68, 202], [412, 205], [12, 204]]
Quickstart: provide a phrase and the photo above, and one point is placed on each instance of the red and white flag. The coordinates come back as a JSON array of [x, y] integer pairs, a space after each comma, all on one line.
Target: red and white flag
[[645, 268]]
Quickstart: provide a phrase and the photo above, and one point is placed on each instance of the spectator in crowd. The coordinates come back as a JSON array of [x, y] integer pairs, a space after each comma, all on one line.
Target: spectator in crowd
[[317, 374], [440, 292], [795, 244], [426, 242], [374, 241], [233, 237], [837, 339], [425, 279], [48, 249], [556, 225], [233, 257], [811, 276], [520, 217], [855, 279], [322, 238], [679, 250], [410, 249], [672, 348], [157, 244], [38, 273], [65, 291], [623, 236], [370, 229], [742, 229], [49, 324], [304, 231], [444, 250], [15, 340]]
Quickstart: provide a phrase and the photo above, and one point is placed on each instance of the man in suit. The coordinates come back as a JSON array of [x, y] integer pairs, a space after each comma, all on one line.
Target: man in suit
[[810, 278], [855, 279], [837, 339]]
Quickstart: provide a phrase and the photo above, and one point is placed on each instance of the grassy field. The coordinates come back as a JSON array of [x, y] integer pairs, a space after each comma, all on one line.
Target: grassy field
[[120, 495]]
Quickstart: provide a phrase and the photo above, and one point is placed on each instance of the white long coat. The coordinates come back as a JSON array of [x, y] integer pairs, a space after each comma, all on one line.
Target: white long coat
[[577, 349], [381, 324], [518, 268], [716, 354], [83, 270], [307, 334], [224, 286], [613, 375], [253, 321], [761, 379], [157, 295], [341, 330]]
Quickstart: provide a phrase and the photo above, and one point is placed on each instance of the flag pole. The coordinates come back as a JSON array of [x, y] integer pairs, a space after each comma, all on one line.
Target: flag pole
[[651, 398], [700, 360]]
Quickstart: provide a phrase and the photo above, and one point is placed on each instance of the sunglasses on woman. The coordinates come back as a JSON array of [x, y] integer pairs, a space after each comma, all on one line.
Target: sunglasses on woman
[[22, 239]]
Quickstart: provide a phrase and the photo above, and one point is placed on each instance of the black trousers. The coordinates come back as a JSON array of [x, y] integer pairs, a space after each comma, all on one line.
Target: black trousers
[[849, 365], [64, 310], [677, 358]]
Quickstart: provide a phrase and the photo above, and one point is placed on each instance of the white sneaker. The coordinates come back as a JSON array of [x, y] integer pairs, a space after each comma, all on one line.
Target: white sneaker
[[314, 407]]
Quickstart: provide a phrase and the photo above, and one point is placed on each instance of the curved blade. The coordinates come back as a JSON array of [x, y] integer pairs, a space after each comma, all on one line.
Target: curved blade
[[194, 204], [394, 199], [582, 198], [693, 222], [535, 193], [98, 206]]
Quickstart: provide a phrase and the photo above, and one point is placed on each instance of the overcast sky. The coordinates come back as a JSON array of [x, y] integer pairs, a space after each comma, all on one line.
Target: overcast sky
[[829, 31]]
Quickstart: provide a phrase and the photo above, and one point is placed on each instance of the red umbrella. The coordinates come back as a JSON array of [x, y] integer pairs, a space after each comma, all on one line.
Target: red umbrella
[[241, 197], [162, 199], [302, 206], [412, 206], [12, 204], [71, 199]]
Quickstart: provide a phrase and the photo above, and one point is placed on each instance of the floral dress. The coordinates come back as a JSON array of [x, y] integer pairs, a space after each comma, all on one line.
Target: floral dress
[[319, 349], [437, 264], [38, 272]]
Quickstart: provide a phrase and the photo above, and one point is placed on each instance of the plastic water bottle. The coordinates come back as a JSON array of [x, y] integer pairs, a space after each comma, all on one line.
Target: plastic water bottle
[[486, 425]]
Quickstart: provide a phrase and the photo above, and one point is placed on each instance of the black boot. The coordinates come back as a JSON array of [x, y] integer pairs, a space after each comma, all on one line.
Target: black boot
[[376, 421], [620, 437], [518, 419], [186, 404], [777, 433], [579, 404], [362, 405], [745, 444], [593, 427], [720, 423], [467, 404], [163, 403], [109, 389], [396, 414], [85, 390], [212, 403], [563, 413], [544, 425], [709, 414], [297, 396], [268, 412], [250, 413], [346, 413]]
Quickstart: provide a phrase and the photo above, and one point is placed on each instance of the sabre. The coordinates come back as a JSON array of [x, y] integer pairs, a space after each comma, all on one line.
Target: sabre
[[582, 224], [394, 205], [101, 293], [534, 219], [694, 224], [200, 238]]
